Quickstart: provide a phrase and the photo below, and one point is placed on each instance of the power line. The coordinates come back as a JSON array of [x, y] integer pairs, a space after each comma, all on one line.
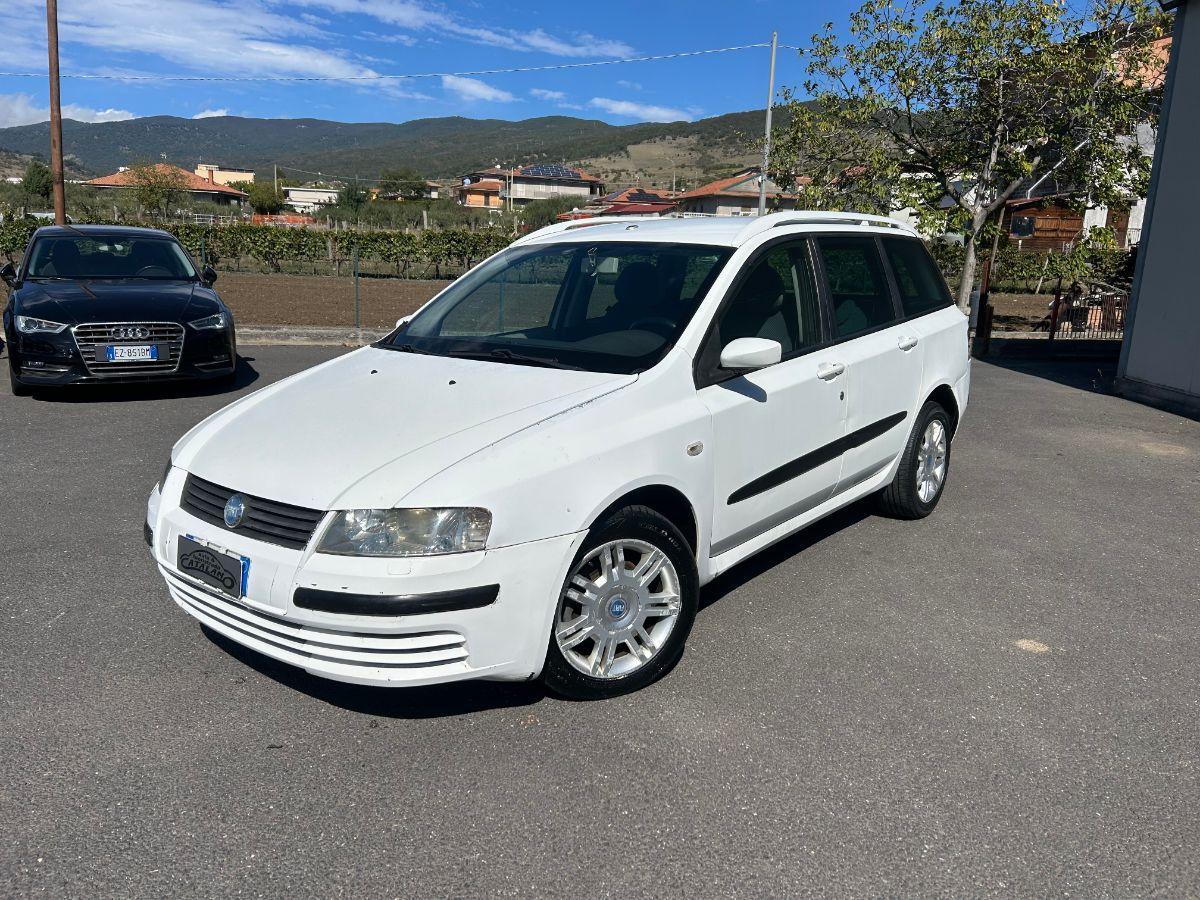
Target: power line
[[387, 77]]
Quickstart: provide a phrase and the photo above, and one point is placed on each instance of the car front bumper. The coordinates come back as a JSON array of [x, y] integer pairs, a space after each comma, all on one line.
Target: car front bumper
[[55, 361], [504, 638]]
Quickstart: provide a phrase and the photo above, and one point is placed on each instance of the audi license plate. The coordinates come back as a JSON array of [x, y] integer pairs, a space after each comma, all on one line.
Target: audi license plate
[[218, 568], [131, 352]]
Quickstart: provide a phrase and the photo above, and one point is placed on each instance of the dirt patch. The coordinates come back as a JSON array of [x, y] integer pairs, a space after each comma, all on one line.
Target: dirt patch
[[1020, 312], [321, 301]]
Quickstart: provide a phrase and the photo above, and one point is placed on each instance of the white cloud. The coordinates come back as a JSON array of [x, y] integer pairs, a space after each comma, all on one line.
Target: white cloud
[[473, 89], [543, 94], [21, 109], [405, 40], [211, 113], [631, 85], [645, 112]]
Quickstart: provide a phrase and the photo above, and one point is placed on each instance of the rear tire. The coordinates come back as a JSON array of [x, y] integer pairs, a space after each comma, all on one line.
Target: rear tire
[[625, 611], [924, 467]]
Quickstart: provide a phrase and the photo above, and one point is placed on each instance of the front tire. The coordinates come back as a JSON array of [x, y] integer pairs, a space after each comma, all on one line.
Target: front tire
[[626, 609], [924, 467]]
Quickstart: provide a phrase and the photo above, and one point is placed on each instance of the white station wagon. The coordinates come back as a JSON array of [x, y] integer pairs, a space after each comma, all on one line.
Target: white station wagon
[[536, 472]]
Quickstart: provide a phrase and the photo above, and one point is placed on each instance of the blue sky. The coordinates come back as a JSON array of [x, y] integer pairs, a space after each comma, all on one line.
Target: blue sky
[[341, 38]]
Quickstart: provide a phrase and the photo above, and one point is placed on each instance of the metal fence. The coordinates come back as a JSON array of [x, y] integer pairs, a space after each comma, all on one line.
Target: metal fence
[[1088, 311]]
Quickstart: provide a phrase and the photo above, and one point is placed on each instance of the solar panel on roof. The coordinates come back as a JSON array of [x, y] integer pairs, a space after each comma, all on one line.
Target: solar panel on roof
[[550, 170]]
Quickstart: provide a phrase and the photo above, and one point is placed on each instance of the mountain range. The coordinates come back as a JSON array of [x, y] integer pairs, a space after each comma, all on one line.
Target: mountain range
[[441, 148]]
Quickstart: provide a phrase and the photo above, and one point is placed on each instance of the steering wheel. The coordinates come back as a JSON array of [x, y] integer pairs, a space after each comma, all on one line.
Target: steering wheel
[[659, 324], [152, 272]]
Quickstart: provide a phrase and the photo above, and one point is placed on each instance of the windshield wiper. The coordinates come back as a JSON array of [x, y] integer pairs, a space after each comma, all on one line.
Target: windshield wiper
[[503, 353], [409, 348]]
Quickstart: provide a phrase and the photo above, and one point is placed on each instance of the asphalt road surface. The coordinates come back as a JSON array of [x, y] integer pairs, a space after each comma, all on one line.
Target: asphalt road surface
[[1000, 699]]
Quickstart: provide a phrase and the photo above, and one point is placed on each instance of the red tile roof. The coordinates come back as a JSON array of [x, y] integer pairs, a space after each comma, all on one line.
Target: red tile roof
[[192, 181], [725, 187]]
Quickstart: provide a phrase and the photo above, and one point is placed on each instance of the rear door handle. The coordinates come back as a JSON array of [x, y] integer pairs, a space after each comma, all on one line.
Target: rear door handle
[[830, 371], [907, 342]]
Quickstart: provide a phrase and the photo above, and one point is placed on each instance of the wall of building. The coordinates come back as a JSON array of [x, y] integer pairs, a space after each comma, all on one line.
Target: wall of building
[[224, 176], [1160, 360]]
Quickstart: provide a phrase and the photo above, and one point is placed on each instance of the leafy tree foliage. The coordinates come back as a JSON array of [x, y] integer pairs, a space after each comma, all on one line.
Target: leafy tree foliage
[[953, 108], [402, 182], [263, 197], [157, 187], [38, 181]]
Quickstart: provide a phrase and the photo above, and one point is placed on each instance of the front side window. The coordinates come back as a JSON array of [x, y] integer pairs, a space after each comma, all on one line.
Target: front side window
[[777, 300], [604, 307], [858, 286], [920, 284], [109, 256]]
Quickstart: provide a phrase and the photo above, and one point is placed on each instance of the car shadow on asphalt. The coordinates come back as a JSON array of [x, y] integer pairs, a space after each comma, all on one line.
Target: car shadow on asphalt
[[138, 392], [768, 559], [422, 702]]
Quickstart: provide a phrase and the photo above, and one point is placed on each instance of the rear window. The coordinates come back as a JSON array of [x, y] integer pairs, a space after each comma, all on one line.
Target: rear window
[[858, 287], [921, 286]]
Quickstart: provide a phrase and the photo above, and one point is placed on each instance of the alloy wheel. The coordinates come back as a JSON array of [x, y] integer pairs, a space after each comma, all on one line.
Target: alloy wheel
[[618, 608], [931, 461]]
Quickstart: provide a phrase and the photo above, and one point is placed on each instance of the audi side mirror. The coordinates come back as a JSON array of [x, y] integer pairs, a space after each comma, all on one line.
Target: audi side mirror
[[209, 274], [9, 274], [751, 353]]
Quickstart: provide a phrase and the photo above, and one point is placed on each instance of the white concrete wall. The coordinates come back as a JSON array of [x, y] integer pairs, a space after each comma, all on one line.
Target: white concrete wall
[[1161, 356]]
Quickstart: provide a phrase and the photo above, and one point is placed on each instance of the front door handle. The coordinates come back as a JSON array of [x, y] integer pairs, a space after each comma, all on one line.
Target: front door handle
[[907, 342], [830, 371]]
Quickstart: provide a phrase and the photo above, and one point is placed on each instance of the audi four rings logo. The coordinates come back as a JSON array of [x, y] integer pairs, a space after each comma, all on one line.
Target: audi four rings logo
[[129, 333]]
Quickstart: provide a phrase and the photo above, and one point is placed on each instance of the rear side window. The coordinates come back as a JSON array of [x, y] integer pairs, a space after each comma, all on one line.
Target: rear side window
[[921, 286], [858, 287]]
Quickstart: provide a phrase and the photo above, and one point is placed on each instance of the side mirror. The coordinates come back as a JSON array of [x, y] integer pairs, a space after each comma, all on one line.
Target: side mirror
[[751, 353], [9, 274], [209, 274]]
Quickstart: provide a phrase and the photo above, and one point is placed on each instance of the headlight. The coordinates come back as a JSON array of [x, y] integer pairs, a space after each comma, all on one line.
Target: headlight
[[30, 325], [406, 532], [210, 322]]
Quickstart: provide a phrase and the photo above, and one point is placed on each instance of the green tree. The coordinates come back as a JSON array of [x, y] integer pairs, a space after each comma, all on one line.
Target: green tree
[[950, 109], [38, 181], [263, 197], [403, 182], [352, 198], [157, 186]]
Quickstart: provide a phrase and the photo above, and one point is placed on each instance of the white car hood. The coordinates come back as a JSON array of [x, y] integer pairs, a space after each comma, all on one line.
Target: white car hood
[[363, 430]]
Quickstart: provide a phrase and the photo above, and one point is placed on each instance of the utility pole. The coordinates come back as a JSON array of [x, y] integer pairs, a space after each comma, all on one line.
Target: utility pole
[[766, 160], [276, 178], [56, 151]]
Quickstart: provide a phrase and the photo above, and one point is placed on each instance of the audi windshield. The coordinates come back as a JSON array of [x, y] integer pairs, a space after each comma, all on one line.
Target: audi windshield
[[605, 307], [101, 256]]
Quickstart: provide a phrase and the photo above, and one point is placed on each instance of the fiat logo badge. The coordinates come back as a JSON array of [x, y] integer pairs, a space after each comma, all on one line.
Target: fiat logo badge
[[235, 510]]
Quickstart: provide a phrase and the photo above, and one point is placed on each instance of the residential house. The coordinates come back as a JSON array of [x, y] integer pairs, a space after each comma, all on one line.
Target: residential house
[[479, 191], [219, 174], [428, 192], [198, 188], [634, 201], [736, 195], [309, 199]]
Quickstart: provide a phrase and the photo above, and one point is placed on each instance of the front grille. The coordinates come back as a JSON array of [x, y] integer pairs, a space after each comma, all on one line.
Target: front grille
[[264, 520], [93, 336], [346, 652]]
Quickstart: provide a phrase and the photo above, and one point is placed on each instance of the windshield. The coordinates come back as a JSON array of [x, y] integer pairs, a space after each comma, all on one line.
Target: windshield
[[109, 256], [606, 307]]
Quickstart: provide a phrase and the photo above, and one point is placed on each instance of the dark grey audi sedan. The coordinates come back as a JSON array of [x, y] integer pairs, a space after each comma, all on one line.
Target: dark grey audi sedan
[[102, 303]]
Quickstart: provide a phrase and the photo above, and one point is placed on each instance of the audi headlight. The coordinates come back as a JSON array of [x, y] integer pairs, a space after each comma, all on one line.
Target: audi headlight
[[208, 323], [406, 532], [30, 325]]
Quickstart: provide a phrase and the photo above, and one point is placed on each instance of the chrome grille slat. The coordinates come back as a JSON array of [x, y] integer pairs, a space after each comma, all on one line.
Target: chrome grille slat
[[265, 520], [91, 335]]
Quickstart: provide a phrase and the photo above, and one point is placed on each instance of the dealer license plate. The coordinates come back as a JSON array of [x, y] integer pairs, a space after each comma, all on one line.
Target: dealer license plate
[[218, 568], [130, 352]]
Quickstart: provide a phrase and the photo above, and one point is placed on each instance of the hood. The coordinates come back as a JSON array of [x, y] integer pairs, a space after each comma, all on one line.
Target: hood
[[363, 430], [73, 302]]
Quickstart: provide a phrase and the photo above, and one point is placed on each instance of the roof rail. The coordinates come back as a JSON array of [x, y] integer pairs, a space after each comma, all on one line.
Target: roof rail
[[572, 224], [819, 217]]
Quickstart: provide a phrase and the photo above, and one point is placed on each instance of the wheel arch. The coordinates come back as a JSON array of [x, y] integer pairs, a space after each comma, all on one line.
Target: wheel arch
[[943, 394], [668, 501]]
